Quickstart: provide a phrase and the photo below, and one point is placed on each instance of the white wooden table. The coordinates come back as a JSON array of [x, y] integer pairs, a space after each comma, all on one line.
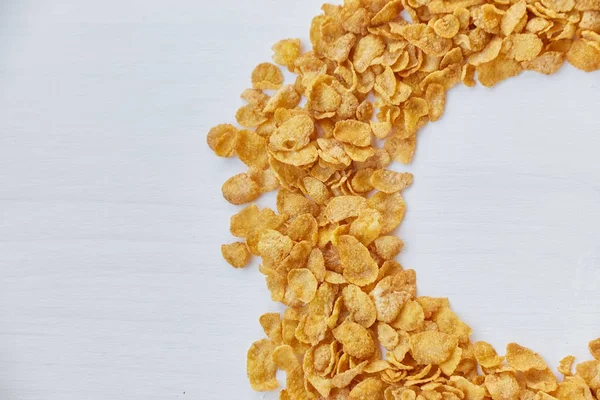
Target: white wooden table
[[111, 280]]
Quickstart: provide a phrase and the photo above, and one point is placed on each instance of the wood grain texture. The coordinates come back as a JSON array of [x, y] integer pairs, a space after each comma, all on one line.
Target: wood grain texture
[[112, 285]]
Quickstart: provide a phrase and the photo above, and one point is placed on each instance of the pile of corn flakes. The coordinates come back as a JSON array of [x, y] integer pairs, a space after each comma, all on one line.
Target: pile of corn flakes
[[354, 327]]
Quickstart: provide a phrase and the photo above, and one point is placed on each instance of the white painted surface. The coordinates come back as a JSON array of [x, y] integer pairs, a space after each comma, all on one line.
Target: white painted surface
[[112, 285]]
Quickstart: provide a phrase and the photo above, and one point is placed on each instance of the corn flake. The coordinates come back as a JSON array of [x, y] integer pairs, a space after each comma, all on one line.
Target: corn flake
[[260, 366], [236, 254], [359, 267], [221, 139], [240, 189], [286, 52], [355, 339]]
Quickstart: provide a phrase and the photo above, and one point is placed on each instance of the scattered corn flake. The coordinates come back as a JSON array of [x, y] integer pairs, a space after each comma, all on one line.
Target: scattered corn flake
[[494, 72], [271, 324], [366, 49], [523, 46], [359, 267], [447, 27], [391, 207], [486, 355], [221, 139], [295, 204], [540, 379], [359, 305], [489, 53], [302, 285], [585, 55], [359, 154], [594, 347], [387, 181], [512, 17], [240, 189], [260, 366], [523, 359], [255, 98], [354, 132], [436, 98], [355, 339], [340, 49], [410, 318], [547, 63], [559, 5], [502, 386], [565, 366], [285, 52], [432, 347], [250, 116], [342, 207], [251, 149], [236, 254], [388, 247], [425, 38], [267, 76]]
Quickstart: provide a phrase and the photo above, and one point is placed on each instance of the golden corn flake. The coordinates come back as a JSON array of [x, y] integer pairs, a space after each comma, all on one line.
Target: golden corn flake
[[343, 207], [513, 17], [401, 150], [367, 227], [302, 157], [359, 154], [565, 366], [447, 26], [410, 318], [502, 386], [340, 49], [432, 347], [547, 63], [387, 181], [240, 189], [274, 247], [486, 355], [391, 207], [295, 204], [285, 52], [494, 72], [252, 149], [585, 55], [285, 98], [260, 366], [366, 49], [359, 267], [426, 39], [221, 139], [359, 305], [523, 46], [364, 111], [271, 324], [355, 339], [594, 347], [267, 76], [302, 285], [292, 135], [540, 379], [468, 75], [236, 254], [388, 247], [354, 132], [522, 359], [250, 116], [368, 389], [255, 98], [489, 53]]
